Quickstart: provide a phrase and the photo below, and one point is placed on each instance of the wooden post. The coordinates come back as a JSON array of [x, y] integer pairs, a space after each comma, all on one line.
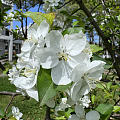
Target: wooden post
[[11, 40]]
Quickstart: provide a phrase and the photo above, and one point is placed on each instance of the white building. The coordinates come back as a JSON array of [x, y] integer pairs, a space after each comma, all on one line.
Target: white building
[[8, 45]]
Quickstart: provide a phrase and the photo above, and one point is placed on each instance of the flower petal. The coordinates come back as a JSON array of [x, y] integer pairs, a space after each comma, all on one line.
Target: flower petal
[[53, 39], [33, 93], [79, 89], [95, 69], [61, 73], [74, 43], [78, 72], [48, 58], [73, 61], [27, 46], [24, 82], [43, 29], [92, 115], [79, 110]]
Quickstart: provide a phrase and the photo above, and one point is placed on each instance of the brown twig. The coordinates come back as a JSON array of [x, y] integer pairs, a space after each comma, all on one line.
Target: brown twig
[[65, 4], [47, 114], [9, 93], [12, 94], [9, 103]]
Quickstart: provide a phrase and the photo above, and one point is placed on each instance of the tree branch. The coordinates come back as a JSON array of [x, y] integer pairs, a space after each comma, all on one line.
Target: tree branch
[[47, 113], [75, 11], [9, 93], [105, 38], [65, 4], [9, 103], [95, 7]]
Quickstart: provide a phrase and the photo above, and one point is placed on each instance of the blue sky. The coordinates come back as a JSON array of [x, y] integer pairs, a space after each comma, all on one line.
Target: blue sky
[[33, 9]]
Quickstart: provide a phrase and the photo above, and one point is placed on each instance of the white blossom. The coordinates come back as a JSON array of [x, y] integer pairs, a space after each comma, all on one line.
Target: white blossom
[[62, 106], [24, 74], [91, 72], [16, 113], [85, 101], [62, 55]]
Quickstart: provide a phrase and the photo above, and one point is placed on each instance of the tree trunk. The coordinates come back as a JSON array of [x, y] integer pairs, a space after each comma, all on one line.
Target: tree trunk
[[108, 45]]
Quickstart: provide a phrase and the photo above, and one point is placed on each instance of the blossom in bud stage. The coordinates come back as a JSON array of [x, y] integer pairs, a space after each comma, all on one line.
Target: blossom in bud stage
[[62, 106], [80, 114], [92, 115]]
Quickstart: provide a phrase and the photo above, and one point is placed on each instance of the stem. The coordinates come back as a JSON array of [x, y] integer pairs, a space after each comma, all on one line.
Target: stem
[[48, 114], [9, 103], [9, 93], [12, 94]]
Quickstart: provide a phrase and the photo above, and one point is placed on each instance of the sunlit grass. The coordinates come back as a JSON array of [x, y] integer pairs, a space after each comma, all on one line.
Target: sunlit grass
[[28, 106]]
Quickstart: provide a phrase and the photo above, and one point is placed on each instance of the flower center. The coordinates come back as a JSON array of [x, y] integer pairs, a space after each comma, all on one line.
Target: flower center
[[63, 56], [27, 72]]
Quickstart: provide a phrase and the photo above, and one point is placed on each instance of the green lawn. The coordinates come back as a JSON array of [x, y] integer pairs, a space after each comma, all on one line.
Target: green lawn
[[29, 107]]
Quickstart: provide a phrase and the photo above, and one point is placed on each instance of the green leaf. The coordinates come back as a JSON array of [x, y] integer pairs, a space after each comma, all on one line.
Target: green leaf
[[75, 23], [45, 87], [2, 113], [12, 118], [93, 99], [38, 17], [116, 109], [68, 113], [95, 48], [72, 30], [100, 86], [109, 84], [119, 18], [62, 88], [105, 109]]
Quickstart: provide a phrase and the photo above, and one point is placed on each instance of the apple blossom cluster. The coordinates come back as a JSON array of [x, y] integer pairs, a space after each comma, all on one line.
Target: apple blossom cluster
[[68, 57], [24, 74]]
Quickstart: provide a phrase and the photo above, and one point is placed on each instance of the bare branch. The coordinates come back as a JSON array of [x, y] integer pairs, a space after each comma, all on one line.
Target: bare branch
[[75, 11], [9, 103], [95, 7], [9, 93], [65, 4]]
